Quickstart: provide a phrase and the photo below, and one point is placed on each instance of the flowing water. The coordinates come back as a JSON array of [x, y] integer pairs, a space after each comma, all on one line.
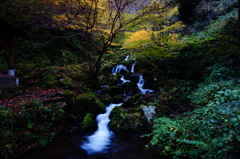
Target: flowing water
[[141, 83], [103, 143], [118, 68], [100, 140]]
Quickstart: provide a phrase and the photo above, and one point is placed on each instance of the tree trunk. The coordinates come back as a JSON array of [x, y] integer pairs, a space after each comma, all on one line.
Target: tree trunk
[[238, 23], [238, 12], [11, 57]]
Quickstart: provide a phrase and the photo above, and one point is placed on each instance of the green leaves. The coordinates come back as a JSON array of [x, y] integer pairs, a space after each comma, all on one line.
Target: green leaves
[[35, 125], [209, 130]]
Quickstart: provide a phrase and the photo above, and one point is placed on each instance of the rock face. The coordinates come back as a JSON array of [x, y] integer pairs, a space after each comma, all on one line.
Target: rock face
[[88, 103], [128, 121], [149, 111]]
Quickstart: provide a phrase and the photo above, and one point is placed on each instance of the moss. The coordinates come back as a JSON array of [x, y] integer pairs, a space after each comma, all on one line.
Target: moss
[[125, 121], [82, 89], [89, 103], [129, 87], [89, 123], [117, 99], [105, 98], [131, 102], [68, 82], [114, 90]]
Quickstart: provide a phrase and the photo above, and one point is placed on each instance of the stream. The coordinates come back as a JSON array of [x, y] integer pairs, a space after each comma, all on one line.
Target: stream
[[103, 143]]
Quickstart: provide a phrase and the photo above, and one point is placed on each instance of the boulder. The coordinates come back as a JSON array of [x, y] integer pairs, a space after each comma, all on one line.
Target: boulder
[[88, 103], [117, 99], [89, 123], [134, 78], [114, 90], [131, 102], [128, 121], [105, 98]]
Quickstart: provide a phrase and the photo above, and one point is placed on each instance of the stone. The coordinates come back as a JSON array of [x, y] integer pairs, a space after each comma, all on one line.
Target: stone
[[149, 112], [128, 121], [8, 81], [89, 122], [88, 103]]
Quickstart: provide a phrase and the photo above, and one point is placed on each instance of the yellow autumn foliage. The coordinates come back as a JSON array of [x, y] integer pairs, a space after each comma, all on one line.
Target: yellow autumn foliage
[[137, 38]]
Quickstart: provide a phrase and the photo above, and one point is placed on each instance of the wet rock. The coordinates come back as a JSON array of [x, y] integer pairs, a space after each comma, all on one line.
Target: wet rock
[[131, 102], [134, 78], [127, 121], [117, 99], [114, 90], [88, 103], [105, 98], [89, 123], [129, 87], [149, 112]]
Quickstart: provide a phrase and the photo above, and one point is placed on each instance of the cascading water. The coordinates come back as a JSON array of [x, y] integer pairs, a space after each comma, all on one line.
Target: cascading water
[[140, 84], [127, 57], [123, 80], [100, 140], [132, 69], [102, 143], [118, 68]]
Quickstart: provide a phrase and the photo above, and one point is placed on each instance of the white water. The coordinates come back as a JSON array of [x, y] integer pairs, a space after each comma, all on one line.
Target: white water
[[141, 83], [132, 69], [118, 68], [123, 80], [127, 57], [100, 140]]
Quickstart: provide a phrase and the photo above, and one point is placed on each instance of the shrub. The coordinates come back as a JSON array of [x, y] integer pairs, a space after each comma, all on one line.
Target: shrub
[[206, 132], [210, 129], [29, 127]]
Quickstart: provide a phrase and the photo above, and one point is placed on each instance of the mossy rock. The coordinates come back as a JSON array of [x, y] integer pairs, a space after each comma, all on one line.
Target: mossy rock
[[124, 121], [114, 90], [134, 78], [82, 89], [131, 102], [105, 98], [89, 103], [110, 79], [117, 99], [128, 86], [89, 123]]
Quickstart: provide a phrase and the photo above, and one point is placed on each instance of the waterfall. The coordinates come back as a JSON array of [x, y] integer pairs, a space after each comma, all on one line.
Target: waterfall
[[132, 69], [100, 140], [118, 68], [141, 83], [127, 57]]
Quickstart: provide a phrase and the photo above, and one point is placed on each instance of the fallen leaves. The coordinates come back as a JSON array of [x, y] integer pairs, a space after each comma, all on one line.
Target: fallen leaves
[[33, 93]]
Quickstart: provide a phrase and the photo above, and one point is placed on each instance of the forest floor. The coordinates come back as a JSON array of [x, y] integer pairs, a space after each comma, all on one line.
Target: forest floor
[[31, 93]]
